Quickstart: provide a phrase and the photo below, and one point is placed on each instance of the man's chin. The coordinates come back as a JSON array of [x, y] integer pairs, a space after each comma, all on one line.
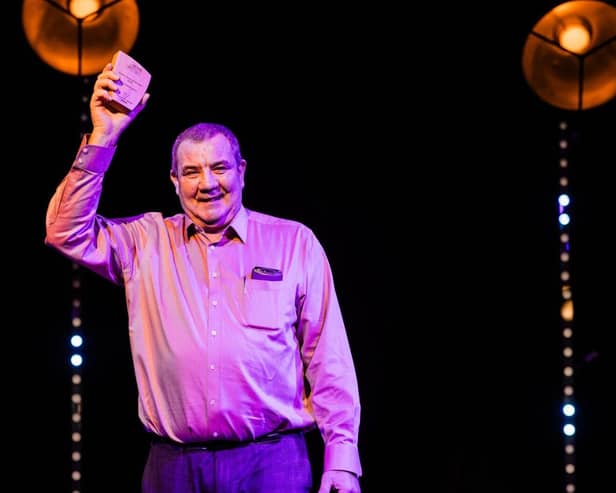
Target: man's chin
[[211, 225]]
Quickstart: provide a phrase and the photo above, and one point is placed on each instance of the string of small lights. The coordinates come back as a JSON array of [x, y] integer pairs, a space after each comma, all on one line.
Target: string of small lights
[[76, 341], [76, 362], [568, 408]]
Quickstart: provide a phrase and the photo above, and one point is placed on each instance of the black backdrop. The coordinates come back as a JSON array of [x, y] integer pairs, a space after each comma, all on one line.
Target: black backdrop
[[410, 143]]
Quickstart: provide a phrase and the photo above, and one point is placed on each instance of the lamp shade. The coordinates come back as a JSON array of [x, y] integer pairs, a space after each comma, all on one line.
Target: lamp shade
[[79, 37], [569, 58]]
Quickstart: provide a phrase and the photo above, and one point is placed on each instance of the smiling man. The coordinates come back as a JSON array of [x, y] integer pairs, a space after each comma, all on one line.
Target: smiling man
[[237, 337]]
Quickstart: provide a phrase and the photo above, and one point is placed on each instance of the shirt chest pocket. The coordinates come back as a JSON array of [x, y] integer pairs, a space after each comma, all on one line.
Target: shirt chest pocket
[[263, 304]]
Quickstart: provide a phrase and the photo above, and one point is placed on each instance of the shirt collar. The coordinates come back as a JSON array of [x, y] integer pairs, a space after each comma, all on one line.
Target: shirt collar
[[237, 226]]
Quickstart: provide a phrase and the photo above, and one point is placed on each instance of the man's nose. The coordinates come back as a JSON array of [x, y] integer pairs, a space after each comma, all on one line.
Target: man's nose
[[207, 180]]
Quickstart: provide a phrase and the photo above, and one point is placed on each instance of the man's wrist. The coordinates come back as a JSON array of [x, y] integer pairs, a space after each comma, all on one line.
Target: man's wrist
[[102, 140]]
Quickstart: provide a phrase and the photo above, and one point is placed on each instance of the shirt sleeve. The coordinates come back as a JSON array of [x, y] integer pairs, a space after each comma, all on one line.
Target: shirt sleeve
[[72, 224], [329, 365]]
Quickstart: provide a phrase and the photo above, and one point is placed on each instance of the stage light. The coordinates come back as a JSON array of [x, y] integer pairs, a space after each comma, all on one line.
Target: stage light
[[569, 57], [76, 360], [569, 61], [79, 37], [76, 341]]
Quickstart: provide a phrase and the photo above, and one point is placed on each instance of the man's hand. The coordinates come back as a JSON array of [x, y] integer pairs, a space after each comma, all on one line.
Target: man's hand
[[339, 481], [107, 122]]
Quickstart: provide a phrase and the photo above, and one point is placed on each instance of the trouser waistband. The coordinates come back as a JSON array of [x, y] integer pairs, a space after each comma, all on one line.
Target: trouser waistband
[[215, 445]]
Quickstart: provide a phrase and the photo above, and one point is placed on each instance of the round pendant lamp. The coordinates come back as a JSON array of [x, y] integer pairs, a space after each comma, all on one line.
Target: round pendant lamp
[[569, 58], [79, 37]]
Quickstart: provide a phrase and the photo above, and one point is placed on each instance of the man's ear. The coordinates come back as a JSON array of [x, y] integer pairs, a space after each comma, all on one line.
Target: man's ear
[[242, 168], [176, 184]]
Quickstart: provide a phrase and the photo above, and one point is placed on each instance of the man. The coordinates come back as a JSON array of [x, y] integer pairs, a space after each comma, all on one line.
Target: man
[[236, 334]]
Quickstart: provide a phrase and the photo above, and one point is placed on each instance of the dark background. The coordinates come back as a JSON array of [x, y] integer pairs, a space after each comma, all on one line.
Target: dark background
[[410, 142]]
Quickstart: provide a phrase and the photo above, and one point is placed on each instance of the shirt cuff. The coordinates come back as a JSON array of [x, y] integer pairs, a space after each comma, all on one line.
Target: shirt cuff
[[342, 456], [93, 158]]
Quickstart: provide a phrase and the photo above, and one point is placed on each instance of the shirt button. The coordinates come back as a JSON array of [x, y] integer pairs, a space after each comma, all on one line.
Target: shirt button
[[215, 434], [214, 274], [212, 402], [212, 367], [85, 150], [215, 302], [214, 332]]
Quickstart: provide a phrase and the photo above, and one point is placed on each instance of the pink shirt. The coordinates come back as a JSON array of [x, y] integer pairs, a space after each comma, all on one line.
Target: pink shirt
[[220, 350]]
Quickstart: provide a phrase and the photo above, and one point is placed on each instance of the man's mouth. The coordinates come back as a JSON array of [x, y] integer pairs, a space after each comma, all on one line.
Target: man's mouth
[[209, 199]]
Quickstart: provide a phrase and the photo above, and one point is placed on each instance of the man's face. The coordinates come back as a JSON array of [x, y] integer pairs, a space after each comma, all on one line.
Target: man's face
[[209, 182]]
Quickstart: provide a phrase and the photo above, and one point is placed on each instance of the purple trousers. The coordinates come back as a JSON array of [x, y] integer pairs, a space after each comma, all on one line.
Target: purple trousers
[[280, 465]]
